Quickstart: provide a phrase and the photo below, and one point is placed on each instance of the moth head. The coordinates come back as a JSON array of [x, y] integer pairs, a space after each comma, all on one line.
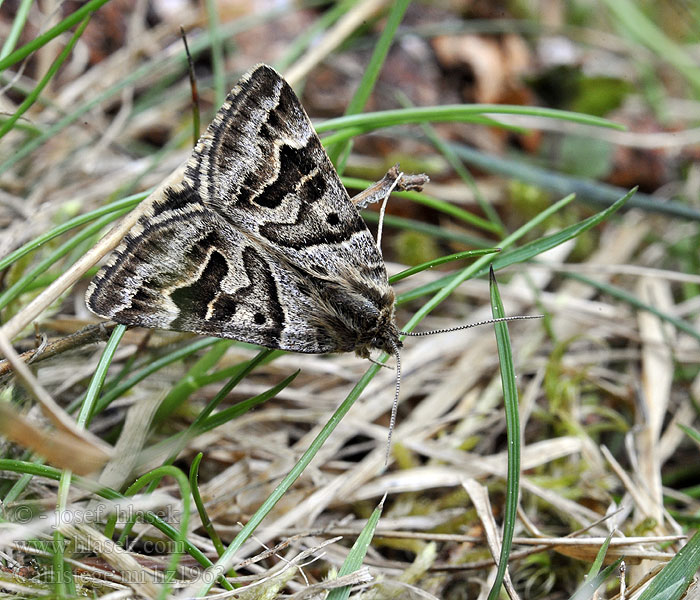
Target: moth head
[[383, 335], [388, 340]]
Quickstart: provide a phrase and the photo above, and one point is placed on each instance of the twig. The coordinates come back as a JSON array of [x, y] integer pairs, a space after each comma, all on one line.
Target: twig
[[88, 335]]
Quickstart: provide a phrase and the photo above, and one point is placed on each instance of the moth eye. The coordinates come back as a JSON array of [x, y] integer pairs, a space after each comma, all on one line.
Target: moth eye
[[332, 219], [259, 318]]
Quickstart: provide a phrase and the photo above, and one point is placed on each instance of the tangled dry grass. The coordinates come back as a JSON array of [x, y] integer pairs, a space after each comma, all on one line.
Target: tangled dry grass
[[605, 379]]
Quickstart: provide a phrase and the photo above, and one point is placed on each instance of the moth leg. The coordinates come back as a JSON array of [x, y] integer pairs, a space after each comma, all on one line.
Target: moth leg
[[376, 362], [381, 189], [382, 210]]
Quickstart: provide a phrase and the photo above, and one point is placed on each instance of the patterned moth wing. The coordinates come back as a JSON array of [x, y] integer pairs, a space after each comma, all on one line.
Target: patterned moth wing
[[259, 242]]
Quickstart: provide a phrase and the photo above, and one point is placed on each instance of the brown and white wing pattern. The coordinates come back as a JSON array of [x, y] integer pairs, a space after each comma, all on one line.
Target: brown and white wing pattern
[[259, 242], [261, 165]]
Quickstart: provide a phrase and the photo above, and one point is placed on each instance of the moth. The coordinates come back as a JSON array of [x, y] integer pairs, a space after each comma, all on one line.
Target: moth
[[259, 242]]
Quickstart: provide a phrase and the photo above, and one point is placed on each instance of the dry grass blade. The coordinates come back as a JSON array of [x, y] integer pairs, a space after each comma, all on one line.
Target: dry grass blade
[[142, 580], [604, 380], [335, 36], [480, 499], [97, 451], [60, 448], [110, 241]]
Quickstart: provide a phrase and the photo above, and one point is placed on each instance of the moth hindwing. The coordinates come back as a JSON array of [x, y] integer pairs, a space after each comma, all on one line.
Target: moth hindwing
[[259, 242]]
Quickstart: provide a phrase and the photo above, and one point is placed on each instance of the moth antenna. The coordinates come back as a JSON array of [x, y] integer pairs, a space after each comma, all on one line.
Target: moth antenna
[[470, 325], [395, 405], [382, 210]]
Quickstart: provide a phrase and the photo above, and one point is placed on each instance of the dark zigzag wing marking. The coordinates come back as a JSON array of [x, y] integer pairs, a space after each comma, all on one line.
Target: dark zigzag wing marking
[[258, 301], [240, 163], [260, 173], [198, 275], [150, 239], [273, 178]]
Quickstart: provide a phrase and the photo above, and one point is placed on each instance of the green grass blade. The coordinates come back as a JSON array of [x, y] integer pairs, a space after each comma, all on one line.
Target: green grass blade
[[48, 134], [693, 434], [430, 202], [201, 509], [306, 38], [440, 261], [242, 371], [55, 65], [435, 231], [525, 252], [600, 556], [369, 79], [209, 360], [152, 367], [224, 562], [451, 283], [185, 492], [20, 486], [347, 133], [594, 578], [452, 112], [189, 383], [113, 207], [65, 583], [510, 398], [55, 31], [240, 408], [673, 581], [536, 247], [17, 25], [54, 474], [601, 194], [175, 444], [161, 65], [465, 176], [204, 422], [634, 301], [23, 282], [593, 582], [87, 408], [647, 33], [357, 553], [217, 53], [446, 150]]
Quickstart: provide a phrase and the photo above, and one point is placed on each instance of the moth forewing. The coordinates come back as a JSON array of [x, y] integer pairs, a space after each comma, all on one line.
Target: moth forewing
[[259, 242]]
